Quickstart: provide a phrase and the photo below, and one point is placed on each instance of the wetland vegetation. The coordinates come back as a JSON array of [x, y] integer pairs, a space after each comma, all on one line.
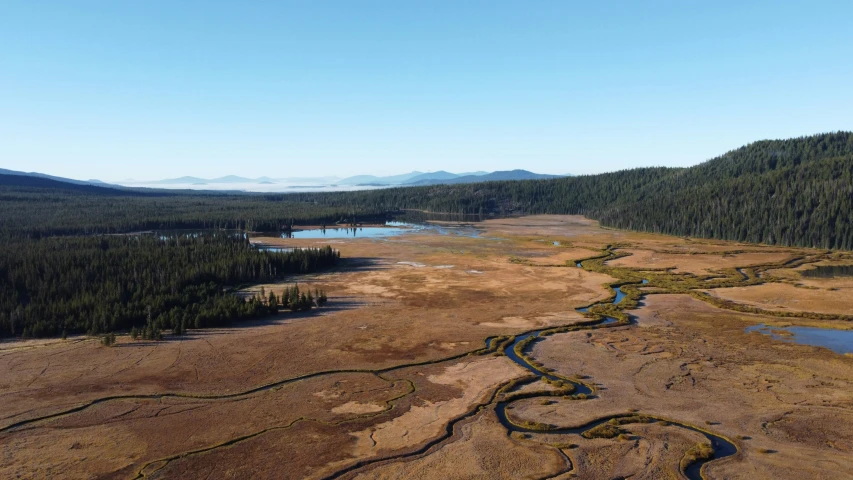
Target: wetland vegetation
[[623, 346], [536, 380]]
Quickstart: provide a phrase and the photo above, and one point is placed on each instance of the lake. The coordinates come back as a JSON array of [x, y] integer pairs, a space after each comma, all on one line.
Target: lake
[[839, 341], [391, 228]]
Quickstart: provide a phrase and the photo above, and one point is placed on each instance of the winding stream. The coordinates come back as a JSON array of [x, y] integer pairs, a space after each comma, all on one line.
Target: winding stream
[[722, 447]]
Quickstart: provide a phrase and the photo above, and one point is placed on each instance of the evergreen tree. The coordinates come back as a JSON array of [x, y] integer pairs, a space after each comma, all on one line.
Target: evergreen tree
[[272, 302]]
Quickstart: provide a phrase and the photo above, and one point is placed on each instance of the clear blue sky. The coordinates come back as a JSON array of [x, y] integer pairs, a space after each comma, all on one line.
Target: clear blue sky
[[152, 89]]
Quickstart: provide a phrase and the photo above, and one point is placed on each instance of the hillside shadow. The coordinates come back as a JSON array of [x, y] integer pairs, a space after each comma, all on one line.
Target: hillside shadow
[[361, 264], [337, 304]]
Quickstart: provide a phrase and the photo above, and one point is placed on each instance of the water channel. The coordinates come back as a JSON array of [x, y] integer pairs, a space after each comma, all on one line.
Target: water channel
[[722, 447]]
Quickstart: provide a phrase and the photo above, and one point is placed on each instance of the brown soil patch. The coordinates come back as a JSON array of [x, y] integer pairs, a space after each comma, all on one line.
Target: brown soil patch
[[785, 297], [693, 363], [482, 450], [381, 372], [474, 379], [697, 264]]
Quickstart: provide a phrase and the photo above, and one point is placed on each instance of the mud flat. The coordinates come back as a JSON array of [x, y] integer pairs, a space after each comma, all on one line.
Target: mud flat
[[405, 373]]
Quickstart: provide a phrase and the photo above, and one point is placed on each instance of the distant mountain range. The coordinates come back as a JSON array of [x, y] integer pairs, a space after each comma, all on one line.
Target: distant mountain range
[[240, 183], [411, 178], [440, 177], [235, 179], [484, 177], [4, 171], [40, 180]]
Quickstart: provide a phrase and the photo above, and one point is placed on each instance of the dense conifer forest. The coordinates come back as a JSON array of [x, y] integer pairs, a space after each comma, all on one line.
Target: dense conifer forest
[[39, 211], [97, 284], [59, 272], [788, 192]]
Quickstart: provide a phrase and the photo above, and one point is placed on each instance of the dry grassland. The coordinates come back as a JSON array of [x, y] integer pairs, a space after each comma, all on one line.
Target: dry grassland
[[392, 378]]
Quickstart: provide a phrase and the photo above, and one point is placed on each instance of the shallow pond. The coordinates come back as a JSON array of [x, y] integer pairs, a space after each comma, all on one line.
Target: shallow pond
[[839, 341], [390, 229], [464, 230], [344, 232]]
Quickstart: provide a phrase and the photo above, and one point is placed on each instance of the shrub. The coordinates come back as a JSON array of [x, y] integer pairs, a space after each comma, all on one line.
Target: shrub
[[698, 452], [108, 339], [543, 427], [605, 430]]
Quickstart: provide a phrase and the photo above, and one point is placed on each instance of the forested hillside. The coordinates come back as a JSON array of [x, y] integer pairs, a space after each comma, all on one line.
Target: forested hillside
[[35, 212], [789, 192], [59, 273]]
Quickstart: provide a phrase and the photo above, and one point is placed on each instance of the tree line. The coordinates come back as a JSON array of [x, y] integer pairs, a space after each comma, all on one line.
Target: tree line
[[60, 273], [795, 192], [35, 212], [788, 192], [98, 284]]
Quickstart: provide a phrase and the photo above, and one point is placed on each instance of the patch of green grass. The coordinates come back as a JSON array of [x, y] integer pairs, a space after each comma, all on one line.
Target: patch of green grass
[[698, 452], [605, 430], [538, 426]]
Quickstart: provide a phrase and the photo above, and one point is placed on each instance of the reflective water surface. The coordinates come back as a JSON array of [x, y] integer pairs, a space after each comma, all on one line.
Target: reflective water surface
[[839, 341]]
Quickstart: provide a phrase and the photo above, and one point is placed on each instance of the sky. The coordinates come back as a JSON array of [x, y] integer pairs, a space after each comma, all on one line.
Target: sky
[[143, 90]]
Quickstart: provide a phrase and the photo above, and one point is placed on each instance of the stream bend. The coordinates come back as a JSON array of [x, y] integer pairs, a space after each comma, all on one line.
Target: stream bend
[[722, 446]]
